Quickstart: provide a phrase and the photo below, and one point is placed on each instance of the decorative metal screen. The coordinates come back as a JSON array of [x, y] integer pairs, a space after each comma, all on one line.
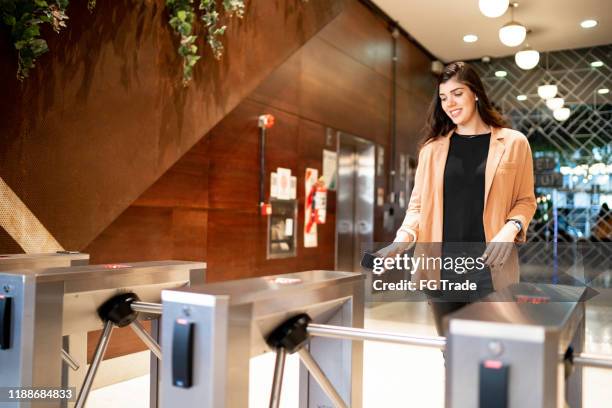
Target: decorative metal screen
[[573, 205]]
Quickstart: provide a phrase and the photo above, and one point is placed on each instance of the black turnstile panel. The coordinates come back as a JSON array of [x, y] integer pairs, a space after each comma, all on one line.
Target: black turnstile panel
[[5, 322], [182, 353], [493, 384]]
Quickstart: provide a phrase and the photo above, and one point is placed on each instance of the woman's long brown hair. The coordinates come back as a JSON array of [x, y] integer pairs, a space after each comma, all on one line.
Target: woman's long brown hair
[[438, 122]]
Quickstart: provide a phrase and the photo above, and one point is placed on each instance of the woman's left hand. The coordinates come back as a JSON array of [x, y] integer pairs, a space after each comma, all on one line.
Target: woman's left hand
[[500, 247]]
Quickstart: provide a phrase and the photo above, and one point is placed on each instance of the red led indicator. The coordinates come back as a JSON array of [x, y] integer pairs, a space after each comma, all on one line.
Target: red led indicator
[[4, 256], [494, 364], [115, 266], [534, 300]]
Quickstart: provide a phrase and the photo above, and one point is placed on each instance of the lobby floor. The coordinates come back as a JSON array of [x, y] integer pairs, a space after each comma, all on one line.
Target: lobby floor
[[394, 375]]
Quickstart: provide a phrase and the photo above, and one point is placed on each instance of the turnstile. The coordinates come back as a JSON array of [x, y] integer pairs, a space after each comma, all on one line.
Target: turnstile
[[210, 332], [39, 261], [46, 304], [12, 262], [515, 349]]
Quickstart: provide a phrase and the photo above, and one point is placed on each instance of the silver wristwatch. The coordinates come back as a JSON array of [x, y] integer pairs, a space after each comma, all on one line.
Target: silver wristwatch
[[517, 224]]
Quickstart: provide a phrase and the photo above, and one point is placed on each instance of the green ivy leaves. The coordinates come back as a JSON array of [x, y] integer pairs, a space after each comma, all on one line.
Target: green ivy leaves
[[24, 19], [182, 16]]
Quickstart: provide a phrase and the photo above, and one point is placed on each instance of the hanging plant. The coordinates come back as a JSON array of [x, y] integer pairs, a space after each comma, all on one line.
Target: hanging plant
[[24, 19], [182, 17]]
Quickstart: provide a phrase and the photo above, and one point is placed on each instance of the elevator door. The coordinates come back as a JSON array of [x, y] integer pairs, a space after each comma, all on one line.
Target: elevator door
[[355, 200]]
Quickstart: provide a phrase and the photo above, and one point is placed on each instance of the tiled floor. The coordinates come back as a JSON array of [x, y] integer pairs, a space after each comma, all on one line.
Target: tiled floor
[[394, 375]]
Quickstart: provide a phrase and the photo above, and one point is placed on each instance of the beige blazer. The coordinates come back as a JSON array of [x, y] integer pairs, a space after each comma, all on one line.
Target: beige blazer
[[509, 193]]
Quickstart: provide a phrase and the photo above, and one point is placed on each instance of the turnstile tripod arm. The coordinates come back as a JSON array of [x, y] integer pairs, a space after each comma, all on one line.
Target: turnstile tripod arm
[[146, 307], [316, 372], [146, 338], [353, 333], [593, 360], [68, 359]]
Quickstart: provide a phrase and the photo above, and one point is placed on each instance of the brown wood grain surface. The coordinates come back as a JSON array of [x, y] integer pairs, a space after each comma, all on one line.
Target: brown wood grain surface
[[103, 115], [205, 207]]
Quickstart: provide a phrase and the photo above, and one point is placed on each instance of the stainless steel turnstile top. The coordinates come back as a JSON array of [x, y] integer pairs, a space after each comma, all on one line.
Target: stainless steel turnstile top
[[46, 260], [520, 305], [267, 287]]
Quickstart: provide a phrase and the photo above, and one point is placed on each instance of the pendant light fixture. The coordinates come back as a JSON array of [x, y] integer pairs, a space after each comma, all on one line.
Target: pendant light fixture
[[513, 33], [555, 103], [493, 8], [561, 114], [548, 90], [527, 58]]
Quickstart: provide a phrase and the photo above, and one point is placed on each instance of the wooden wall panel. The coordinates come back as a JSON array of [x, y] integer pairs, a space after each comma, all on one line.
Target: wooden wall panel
[[104, 114], [363, 36], [344, 94], [8, 244], [413, 69]]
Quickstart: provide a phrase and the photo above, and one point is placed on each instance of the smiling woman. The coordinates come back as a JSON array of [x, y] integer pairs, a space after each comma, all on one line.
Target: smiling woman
[[473, 192]]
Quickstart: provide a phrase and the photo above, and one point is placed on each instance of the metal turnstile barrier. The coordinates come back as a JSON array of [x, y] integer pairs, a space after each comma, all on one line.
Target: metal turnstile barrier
[[536, 330], [210, 333], [42, 261], [47, 304], [12, 262], [516, 349]]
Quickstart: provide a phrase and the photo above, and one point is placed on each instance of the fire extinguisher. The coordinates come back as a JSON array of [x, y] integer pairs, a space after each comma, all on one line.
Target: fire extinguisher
[[317, 201]]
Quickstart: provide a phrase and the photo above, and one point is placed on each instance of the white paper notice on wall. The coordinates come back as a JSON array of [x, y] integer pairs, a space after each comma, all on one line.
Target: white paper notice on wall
[[330, 163], [289, 227], [273, 185], [284, 183], [310, 225], [293, 194]]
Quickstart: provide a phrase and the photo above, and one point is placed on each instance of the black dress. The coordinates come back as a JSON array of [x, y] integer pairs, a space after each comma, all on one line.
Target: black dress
[[463, 229]]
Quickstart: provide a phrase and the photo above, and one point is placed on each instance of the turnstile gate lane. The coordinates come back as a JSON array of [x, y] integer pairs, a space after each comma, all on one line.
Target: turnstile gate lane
[[210, 333], [116, 311], [61, 301]]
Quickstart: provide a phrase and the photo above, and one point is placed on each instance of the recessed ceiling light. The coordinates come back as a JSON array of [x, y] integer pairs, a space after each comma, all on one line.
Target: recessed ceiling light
[[588, 23], [522, 97], [597, 64], [603, 91], [470, 38], [500, 74]]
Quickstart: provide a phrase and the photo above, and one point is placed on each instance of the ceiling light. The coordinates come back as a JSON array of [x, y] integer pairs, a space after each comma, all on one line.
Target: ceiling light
[[597, 64], [561, 114], [522, 97], [500, 74], [603, 91], [512, 34], [547, 91], [527, 58], [470, 38], [588, 23], [493, 8], [555, 103]]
